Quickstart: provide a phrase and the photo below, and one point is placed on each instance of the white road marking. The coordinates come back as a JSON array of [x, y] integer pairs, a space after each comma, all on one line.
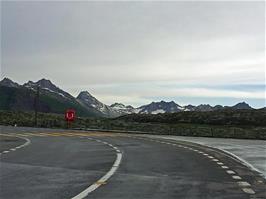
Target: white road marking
[[18, 147], [225, 167], [236, 177], [230, 172], [103, 179], [243, 184], [248, 190]]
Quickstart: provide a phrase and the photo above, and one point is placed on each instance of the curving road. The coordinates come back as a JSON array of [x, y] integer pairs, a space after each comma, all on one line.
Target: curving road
[[43, 163]]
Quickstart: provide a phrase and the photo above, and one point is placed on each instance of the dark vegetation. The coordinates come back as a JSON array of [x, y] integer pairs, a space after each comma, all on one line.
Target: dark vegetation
[[253, 117], [227, 123]]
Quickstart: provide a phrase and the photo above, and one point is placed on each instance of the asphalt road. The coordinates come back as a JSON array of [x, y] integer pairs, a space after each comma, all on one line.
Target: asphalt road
[[43, 163]]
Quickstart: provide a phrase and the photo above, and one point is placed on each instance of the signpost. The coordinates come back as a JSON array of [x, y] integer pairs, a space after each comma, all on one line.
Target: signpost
[[70, 115]]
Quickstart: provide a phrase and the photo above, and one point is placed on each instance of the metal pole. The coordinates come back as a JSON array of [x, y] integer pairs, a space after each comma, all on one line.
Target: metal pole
[[36, 103]]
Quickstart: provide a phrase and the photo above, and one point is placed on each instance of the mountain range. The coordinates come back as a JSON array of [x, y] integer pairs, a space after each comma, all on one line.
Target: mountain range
[[52, 99]]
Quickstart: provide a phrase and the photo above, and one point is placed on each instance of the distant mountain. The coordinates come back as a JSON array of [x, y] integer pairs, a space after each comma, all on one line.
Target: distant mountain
[[189, 108], [90, 102], [160, 107], [9, 83], [51, 100], [55, 100], [47, 86], [172, 107], [203, 107], [122, 109], [241, 105]]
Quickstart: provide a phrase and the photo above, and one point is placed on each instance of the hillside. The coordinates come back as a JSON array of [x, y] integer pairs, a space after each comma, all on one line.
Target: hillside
[[220, 117], [22, 99]]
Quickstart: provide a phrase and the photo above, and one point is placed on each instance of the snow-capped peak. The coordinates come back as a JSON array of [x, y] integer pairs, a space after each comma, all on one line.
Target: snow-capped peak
[[48, 86]]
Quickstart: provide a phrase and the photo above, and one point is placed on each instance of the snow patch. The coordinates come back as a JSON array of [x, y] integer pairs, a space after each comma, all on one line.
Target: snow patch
[[158, 111]]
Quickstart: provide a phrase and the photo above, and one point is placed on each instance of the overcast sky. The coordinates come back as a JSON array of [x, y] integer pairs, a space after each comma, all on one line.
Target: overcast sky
[[138, 52]]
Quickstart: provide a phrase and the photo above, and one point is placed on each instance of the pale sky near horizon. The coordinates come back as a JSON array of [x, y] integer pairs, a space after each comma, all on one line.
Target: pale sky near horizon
[[138, 52]]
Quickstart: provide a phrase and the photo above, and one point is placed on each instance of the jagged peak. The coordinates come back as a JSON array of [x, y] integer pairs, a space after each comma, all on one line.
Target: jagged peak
[[117, 104], [9, 83], [85, 93]]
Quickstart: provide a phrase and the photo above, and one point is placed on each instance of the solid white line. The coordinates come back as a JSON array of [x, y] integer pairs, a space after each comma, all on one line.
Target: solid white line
[[102, 180]]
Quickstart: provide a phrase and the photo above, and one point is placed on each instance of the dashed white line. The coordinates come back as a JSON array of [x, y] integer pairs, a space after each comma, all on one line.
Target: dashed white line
[[225, 167], [230, 172], [243, 184], [18, 147], [236, 177], [248, 190]]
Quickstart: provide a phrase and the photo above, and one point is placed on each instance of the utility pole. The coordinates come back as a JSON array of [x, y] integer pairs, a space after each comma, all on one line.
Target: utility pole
[[36, 105]]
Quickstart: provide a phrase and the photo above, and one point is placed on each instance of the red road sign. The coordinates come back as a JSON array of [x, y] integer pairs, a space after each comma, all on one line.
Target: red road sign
[[70, 115]]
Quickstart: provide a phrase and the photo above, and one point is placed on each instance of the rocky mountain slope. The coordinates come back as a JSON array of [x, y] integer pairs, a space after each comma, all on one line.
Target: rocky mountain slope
[[55, 100]]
